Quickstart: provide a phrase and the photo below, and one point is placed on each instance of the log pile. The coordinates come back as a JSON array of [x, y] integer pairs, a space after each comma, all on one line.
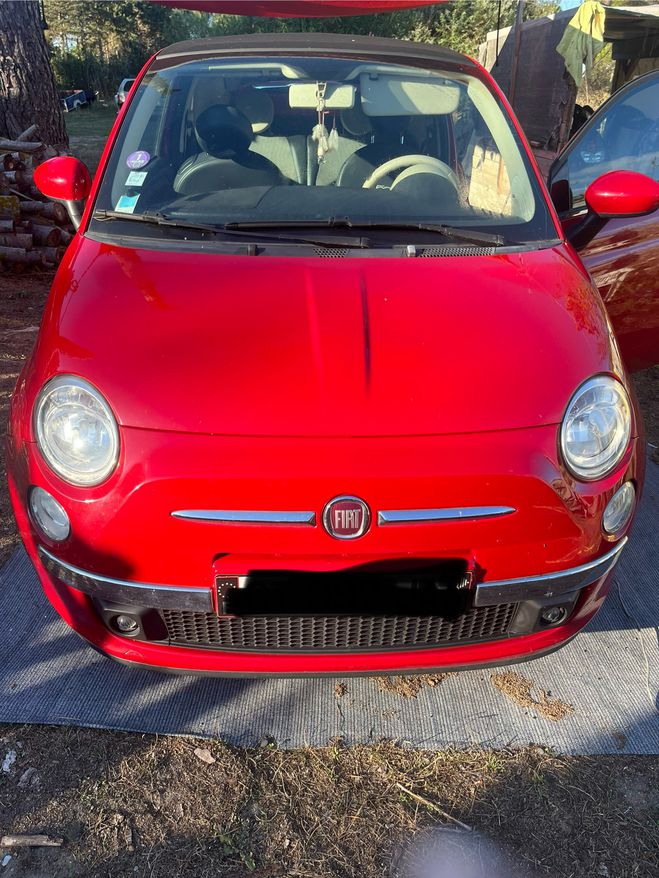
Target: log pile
[[34, 232]]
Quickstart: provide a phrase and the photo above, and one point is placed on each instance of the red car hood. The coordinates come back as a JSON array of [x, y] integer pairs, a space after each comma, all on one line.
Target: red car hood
[[325, 347]]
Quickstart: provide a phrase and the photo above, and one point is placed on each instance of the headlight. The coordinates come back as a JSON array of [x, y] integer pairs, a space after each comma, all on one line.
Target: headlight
[[596, 428], [76, 431]]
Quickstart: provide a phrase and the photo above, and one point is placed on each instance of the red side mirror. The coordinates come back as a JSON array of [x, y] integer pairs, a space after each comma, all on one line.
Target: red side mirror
[[63, 178], [621, 194]]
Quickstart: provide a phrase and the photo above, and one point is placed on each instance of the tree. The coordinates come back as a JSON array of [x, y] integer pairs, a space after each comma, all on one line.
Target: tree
[[28, 94]]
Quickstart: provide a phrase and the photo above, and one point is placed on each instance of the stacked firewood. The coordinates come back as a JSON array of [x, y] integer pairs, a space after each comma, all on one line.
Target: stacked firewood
[[34, 232]]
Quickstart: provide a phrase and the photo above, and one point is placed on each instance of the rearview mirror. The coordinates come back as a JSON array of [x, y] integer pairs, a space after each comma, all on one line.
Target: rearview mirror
[[66, 179], [622, 194]]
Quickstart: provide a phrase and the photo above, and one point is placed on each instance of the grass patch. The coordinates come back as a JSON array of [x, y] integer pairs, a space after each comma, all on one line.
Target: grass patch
[[92, 121], [88, 130]]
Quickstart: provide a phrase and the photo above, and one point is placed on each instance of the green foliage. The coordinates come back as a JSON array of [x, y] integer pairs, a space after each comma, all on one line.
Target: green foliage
[[96, 43]]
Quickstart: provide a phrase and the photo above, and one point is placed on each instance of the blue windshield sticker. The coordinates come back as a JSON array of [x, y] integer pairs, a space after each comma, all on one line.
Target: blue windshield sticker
[[137, 160], [127, 204], [136, 178]]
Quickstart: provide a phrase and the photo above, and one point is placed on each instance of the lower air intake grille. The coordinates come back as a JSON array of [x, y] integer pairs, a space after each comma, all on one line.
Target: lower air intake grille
[[335, 633]]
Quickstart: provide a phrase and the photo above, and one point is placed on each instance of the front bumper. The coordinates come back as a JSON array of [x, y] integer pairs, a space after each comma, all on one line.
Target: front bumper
[[127, 550], [200, 600]]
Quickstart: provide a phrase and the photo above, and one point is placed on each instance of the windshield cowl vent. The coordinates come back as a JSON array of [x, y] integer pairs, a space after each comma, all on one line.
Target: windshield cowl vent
[[465, 250], [332, 252]]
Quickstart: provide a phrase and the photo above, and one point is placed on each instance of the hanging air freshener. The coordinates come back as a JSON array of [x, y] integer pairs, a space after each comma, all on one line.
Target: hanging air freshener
[[319, 133], [333, 139]]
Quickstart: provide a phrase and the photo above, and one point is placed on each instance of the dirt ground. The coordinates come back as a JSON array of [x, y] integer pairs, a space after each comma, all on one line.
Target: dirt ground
[[126, 805]]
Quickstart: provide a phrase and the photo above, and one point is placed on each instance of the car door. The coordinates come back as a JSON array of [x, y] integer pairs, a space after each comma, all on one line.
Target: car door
[[623, 257]]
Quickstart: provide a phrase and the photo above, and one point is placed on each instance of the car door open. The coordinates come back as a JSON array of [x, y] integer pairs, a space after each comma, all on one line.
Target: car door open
[[620, 247]]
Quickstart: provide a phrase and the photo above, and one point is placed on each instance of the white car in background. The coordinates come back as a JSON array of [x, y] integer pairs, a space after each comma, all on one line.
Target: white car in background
[[122, 91]]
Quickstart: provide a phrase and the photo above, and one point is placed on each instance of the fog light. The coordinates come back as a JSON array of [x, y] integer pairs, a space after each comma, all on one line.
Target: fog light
[[49, 515], [619, 509], [553, 615], [125, 624]]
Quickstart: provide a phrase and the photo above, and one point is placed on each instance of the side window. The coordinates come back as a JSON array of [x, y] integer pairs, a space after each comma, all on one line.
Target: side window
[[624, 136]]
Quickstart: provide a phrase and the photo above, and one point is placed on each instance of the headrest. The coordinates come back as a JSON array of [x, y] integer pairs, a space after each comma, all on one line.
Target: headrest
[[257, 105], [223, 131], [356, 122]]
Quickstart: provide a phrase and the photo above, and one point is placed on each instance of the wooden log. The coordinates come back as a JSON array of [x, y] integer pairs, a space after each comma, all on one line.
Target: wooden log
[[25, 257], [15, 180], [48, 236], [11, 162], [31, 208], [57, 212], [67, 237], [25, 135], [19, 146], [6, 225], [20, 177], [9, 205], [53, 254], [17, 239], [30, 841]]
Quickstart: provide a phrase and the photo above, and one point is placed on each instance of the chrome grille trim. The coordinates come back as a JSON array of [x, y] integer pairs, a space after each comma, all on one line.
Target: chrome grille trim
[[547, 584], [199, 599], [143, 594], [247, 516], [421, 516]]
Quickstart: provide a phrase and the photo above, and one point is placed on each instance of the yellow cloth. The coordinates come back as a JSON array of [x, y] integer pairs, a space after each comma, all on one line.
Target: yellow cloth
[[583, 39], [590, 19]]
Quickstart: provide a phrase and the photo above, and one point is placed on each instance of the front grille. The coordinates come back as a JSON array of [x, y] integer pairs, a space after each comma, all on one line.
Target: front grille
[[335, 633]]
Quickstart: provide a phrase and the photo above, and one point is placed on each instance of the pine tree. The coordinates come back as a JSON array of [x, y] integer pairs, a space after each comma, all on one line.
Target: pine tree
[[28, 94]]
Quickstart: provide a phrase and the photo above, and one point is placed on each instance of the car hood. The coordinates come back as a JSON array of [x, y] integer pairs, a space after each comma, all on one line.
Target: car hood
[[275, 346]]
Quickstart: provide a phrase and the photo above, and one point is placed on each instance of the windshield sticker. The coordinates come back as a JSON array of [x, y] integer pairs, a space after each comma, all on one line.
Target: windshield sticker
[[138, 159], [136, 178], [127, 204]]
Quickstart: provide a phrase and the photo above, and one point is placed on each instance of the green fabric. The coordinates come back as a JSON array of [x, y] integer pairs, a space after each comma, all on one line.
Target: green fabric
[[583, 39], [578, 49]]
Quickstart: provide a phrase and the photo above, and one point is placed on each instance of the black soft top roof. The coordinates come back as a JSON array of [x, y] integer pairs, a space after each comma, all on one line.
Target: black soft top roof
[[341, 45]]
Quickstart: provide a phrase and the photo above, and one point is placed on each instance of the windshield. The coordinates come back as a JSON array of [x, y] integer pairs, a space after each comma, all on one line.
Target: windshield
[[315, 139]]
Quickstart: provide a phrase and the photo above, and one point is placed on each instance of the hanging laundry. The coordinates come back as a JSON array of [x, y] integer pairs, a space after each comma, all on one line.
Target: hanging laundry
[[583, 39]]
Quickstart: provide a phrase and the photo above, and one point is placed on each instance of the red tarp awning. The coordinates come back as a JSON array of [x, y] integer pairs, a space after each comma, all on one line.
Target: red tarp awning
[[297, 8]]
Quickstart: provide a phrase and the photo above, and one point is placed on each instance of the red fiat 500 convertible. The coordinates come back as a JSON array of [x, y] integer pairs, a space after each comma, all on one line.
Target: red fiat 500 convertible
[[321, 384]]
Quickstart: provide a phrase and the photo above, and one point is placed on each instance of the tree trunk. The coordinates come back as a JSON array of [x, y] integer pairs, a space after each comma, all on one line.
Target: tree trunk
[[27, 86]]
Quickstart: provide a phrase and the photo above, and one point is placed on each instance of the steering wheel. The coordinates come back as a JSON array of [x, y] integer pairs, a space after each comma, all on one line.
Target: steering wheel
[[434, 166]]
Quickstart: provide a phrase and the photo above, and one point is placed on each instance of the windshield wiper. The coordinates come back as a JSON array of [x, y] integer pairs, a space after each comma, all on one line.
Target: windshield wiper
[[156, 219], [239, 230], [337, 222]]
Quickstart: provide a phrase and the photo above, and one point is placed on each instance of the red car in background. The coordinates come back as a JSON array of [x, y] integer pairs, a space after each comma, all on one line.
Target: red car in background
[[321, 385]]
